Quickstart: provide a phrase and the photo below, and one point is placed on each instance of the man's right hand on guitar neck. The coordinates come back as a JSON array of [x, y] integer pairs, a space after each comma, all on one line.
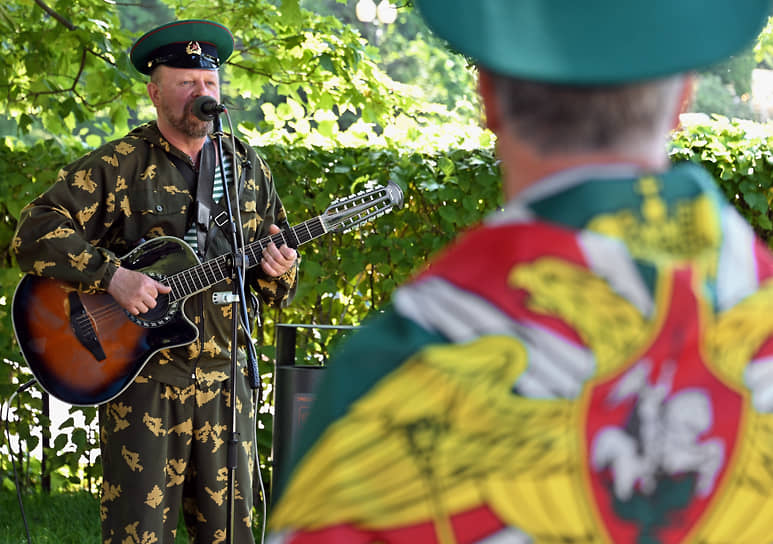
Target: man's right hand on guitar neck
[[134, 291]]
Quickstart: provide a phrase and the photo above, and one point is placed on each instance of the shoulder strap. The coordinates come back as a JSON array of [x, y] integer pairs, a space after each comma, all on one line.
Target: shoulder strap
[[204, 204]]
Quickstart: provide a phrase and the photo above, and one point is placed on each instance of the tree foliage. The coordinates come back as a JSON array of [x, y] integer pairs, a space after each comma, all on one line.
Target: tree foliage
[[328, 109], [305, 87]]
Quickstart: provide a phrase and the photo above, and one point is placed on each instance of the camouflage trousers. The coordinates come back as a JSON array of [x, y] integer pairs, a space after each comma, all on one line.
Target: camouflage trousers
[[164, 446]]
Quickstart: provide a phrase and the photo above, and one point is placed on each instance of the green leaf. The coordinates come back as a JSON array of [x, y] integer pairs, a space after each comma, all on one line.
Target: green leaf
[[326, 63], [291, 11], [757, 201], [446, 166]]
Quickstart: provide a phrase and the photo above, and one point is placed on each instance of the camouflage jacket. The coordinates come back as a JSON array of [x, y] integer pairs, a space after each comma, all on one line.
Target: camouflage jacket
[[128, 191]]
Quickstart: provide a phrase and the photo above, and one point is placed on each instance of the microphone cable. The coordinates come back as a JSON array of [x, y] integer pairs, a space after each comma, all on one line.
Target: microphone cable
[[7, 419], [258, 472]]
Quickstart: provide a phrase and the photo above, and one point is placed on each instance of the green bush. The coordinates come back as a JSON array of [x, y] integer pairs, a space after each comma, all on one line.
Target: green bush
[[738, 155], [346, 276]]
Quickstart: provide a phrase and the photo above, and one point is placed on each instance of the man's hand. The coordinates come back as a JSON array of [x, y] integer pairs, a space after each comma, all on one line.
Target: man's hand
[[135, 291], [277, 260]]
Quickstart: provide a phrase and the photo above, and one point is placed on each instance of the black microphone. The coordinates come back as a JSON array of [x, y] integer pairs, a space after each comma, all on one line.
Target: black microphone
[[206, 108]]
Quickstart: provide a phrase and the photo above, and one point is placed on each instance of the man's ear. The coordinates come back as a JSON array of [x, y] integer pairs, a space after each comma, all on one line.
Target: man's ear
[[493, 119], [686, 95], [153, 92]]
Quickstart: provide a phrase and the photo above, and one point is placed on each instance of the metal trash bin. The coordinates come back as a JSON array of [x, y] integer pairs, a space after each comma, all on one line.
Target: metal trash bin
[[294, 387]]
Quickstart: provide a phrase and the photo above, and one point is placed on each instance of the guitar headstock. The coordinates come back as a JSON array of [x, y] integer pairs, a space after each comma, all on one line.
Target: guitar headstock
[[345, 214]]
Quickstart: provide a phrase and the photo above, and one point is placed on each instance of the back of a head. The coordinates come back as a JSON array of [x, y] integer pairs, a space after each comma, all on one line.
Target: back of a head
[[603, 42], [578, 76]]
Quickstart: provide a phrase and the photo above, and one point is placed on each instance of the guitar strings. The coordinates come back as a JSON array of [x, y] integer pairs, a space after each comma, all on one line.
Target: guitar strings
[[181, 281]]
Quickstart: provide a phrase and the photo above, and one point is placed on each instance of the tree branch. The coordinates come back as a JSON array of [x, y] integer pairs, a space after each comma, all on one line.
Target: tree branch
[[73, 89], [55, 15]]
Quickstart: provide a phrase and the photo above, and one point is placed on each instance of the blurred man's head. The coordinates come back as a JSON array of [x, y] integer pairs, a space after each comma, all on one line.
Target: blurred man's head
[[556, 118], [566, 83], [603, 42]]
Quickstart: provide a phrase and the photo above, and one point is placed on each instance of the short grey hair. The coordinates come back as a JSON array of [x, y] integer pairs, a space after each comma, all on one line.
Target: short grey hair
[[565, 118]]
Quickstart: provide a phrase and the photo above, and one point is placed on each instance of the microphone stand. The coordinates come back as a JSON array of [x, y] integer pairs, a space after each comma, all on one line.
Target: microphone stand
[[238, 308]]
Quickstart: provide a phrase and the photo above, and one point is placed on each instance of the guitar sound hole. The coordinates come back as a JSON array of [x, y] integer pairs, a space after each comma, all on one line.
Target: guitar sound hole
[[157, 316]]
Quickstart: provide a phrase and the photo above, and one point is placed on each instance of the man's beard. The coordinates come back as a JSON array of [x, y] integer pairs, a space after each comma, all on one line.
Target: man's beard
[[187, 123]]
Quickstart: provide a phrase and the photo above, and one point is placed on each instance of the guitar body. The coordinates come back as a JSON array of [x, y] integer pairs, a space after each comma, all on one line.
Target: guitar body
[[85, 349]]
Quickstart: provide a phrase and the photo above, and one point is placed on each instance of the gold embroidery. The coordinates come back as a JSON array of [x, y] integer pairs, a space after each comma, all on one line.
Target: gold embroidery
[[59, 232], [125, 208], [86, 213], [175, 469], [112, 161], [216, 496], [154, 425], [64, 211], [264, 168], [208, 378], [82, 180], [210, 347], [173, 190], [110, 492], [685, 230], [610, 325], [79, 262], [40, 266], [184, 428], [118, 411], [132, 459], [149, 173], [193, 350], [155, 497], [252, 224], [203, 397], [124, 148]]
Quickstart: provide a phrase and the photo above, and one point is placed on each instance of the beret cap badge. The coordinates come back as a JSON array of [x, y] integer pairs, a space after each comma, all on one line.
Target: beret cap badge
[[193, 48]]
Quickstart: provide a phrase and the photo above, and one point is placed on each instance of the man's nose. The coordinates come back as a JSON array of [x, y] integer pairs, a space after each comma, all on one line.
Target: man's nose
[[200, 88]]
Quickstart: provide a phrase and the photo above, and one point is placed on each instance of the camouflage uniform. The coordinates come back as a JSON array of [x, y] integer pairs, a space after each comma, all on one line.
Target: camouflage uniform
[[154, 434]]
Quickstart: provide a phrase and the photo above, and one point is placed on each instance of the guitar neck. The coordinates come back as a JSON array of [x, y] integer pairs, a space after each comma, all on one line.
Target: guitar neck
[[200, 277]]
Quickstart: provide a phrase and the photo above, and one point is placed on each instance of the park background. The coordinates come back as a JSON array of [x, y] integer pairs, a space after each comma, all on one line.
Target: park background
[[333, 103]]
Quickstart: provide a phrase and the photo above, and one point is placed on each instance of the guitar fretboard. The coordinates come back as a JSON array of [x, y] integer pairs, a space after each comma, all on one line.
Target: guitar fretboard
[[202, 276]]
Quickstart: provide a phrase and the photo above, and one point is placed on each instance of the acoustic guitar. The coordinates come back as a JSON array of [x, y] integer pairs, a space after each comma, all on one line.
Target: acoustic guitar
[[85, 349]]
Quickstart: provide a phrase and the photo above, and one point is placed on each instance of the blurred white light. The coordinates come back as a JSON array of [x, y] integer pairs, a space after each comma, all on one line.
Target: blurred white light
[[386, 12], [365, 10]]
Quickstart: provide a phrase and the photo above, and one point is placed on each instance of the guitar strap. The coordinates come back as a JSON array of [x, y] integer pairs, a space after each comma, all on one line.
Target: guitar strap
[[204, 204], [202, 186]]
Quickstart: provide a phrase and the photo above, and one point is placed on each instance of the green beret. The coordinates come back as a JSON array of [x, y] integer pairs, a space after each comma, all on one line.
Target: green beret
[[597, 41], [192, 43]]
